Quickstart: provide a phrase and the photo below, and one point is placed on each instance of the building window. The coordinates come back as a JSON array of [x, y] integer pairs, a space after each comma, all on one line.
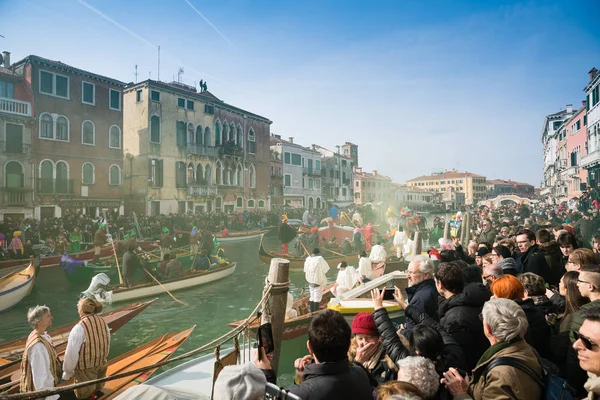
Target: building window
[[155, 96], [287, 180], [286, 158], [250, 203], [88, 93], [155, 129], [7, 90], [54, 84], [87, 174], [180, 133], [62, 128], [208, 109], [114, 177], [261, 204], [318, 184], [155, 172], [251, 142], [114, 139], [190, 105], [180, 102], [296, 159], [318, 165], [115, 100], [138, 95], [56, 127], [252, 177], [87, 133], [46, 126], [343, 163], [180, 174], [239, 202], [311, 183], [344, 192]]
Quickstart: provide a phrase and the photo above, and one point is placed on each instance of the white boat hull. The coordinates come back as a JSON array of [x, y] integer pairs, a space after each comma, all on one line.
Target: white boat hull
[[12, 296], [229, 239], [171, 286]]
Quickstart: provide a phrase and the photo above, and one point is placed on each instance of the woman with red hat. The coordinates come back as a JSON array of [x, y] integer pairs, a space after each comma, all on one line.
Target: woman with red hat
[[367, 349]]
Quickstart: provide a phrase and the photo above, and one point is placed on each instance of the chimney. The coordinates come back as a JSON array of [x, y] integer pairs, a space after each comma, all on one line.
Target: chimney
[[374, 172], [314, 146], [569, 108], [583, 103], [6, 55], [592, 73], [338, 149], [291, 139]]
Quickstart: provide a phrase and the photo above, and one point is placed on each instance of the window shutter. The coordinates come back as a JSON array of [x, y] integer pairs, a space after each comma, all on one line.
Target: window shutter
[[160, 173], [149, 171]]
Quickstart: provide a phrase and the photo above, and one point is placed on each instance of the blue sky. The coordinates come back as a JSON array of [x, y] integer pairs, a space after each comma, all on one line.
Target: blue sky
[[418, 85]]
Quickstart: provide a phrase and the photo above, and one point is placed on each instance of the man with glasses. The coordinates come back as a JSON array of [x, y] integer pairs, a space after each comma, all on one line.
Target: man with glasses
[[491, 273], [421, 291], [587, 345]]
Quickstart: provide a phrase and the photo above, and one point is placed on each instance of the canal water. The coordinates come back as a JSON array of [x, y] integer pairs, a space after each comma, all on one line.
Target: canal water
[[210, 307]]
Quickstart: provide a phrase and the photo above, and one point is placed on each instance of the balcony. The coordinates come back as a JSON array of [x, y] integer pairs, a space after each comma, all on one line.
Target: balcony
[[591, 159], [573, 171], [311, 171], [198, 150], [231, 150], [201, 191], [55, 186], [294, 191], [16, 197], [15, 107], [14, 147]]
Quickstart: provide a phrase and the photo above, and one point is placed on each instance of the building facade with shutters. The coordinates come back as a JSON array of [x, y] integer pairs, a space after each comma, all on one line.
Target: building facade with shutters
[[16, 123], [187, 151], [371, 188], [338, 185], [77, 151], [472, 186]]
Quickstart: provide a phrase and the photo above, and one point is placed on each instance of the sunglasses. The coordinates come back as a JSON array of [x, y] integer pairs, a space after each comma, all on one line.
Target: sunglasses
[[587, 342]]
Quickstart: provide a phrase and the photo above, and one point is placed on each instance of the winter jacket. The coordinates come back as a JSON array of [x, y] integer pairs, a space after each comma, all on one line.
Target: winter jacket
[[423, 296], [554, 260], [509, 266], [487, 236], [459, 316], [506, 382], [534, 261], [538, 332], [463, 256], [334, 380]]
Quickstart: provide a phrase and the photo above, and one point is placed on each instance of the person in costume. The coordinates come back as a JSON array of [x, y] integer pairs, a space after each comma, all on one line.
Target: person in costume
[[16, 246], [75, 239], [194, 237], [40, 366], [130, 240], [166, 242], [286, 234], [315, 270], [368, 235], [87, 348], [62, 245], [400, 239], [347, 278], [99, 241]]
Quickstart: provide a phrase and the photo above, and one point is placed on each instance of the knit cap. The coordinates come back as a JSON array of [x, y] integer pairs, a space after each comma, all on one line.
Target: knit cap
[[364, 323], [240, 382]]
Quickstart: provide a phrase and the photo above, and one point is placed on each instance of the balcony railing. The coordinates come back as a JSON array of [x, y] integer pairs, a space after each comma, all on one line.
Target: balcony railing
[[201, 191], [14, 147], [591, 159], [311, 171], [201, 150], [55, 186], [573, 171], [231, 150], [16, 197], [16, 107]]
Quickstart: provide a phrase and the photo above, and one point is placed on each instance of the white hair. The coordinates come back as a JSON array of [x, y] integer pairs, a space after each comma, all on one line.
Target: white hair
[[35, 315], [506, 319], [420, 372], [425, 263]]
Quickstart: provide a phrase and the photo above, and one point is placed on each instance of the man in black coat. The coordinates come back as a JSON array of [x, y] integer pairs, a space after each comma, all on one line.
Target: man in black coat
[[326, 373], [421, 290], [532, 257], [459, 310]]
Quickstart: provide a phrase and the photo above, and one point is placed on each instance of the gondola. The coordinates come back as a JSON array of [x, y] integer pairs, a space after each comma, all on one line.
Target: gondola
[[17, 285]]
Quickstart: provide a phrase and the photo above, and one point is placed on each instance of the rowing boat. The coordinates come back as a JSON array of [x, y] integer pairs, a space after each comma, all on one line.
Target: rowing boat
[[16, 286], [114, 319], [237, 236], [298, 326], [150, 353], [188, 280]]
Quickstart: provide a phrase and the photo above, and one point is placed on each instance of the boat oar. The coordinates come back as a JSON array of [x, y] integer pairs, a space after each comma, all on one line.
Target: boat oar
[[335, 252], [164, 288], [304, 247], [117, 261], [151, 254]]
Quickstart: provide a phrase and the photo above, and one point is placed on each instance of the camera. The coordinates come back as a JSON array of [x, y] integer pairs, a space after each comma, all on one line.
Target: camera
[[273, 392]]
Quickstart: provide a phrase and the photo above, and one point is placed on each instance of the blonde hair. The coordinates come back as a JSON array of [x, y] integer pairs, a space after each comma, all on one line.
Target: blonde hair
[[89, 306]]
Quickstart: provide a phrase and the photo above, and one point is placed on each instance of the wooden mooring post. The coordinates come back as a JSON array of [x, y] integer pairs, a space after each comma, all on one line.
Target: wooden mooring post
[[417, 244], [446, 231], [275, 307]]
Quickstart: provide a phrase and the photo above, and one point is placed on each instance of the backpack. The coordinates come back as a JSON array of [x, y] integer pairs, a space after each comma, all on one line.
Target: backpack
[[554, 387]]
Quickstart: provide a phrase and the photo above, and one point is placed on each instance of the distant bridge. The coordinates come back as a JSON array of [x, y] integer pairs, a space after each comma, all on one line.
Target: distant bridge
[[503, 198]]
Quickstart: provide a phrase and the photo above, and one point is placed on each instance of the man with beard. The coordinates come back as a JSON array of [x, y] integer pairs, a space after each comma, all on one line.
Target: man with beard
[[421, 290]]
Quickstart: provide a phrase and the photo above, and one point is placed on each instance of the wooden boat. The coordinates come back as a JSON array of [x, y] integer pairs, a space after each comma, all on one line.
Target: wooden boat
[[298, 326], [13, 350], [188, 280], [237, 236], [15, 286], [155, 351]]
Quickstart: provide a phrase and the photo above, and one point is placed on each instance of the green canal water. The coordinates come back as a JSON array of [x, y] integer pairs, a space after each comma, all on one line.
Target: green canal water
[[210, 307]]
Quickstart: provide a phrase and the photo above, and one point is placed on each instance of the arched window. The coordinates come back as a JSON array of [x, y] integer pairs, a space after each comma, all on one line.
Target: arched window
[[218, 203], [155, 129], [62, 177], [62, 128], [191, 178], [114, 175], [310, 203], [88, 135], [251, 142], [217, 133], [240, 136], [218, 173], [13, 175], [199, 138], [252, 177], [87, 174], [261, 204], [231, 173], [318, 202], [239, 177], [225, 132], [199, 174], [191, 134], [46, 129], [226, 174], [208, 174], [46, 182], [114, 140], [232, 135], [239, 202], [207, 141], [250, 203]]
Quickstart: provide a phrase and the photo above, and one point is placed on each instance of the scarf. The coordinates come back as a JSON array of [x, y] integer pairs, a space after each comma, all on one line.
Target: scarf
[[374, 360], [592, 385]]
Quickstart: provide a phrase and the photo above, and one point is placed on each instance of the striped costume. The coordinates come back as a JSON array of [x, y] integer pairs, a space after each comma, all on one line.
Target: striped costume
[[27, 378]]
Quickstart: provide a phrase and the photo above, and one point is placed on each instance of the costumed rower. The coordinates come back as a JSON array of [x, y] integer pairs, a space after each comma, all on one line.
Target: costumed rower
[[286, 234], [378, 256], [130, 265], [315, 268], [87, 348], [75, 239], [368, 235], [99, 241], [166, 242], [16, 246], [194, 236], [40, 367], [399, 241], [346, 279]]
